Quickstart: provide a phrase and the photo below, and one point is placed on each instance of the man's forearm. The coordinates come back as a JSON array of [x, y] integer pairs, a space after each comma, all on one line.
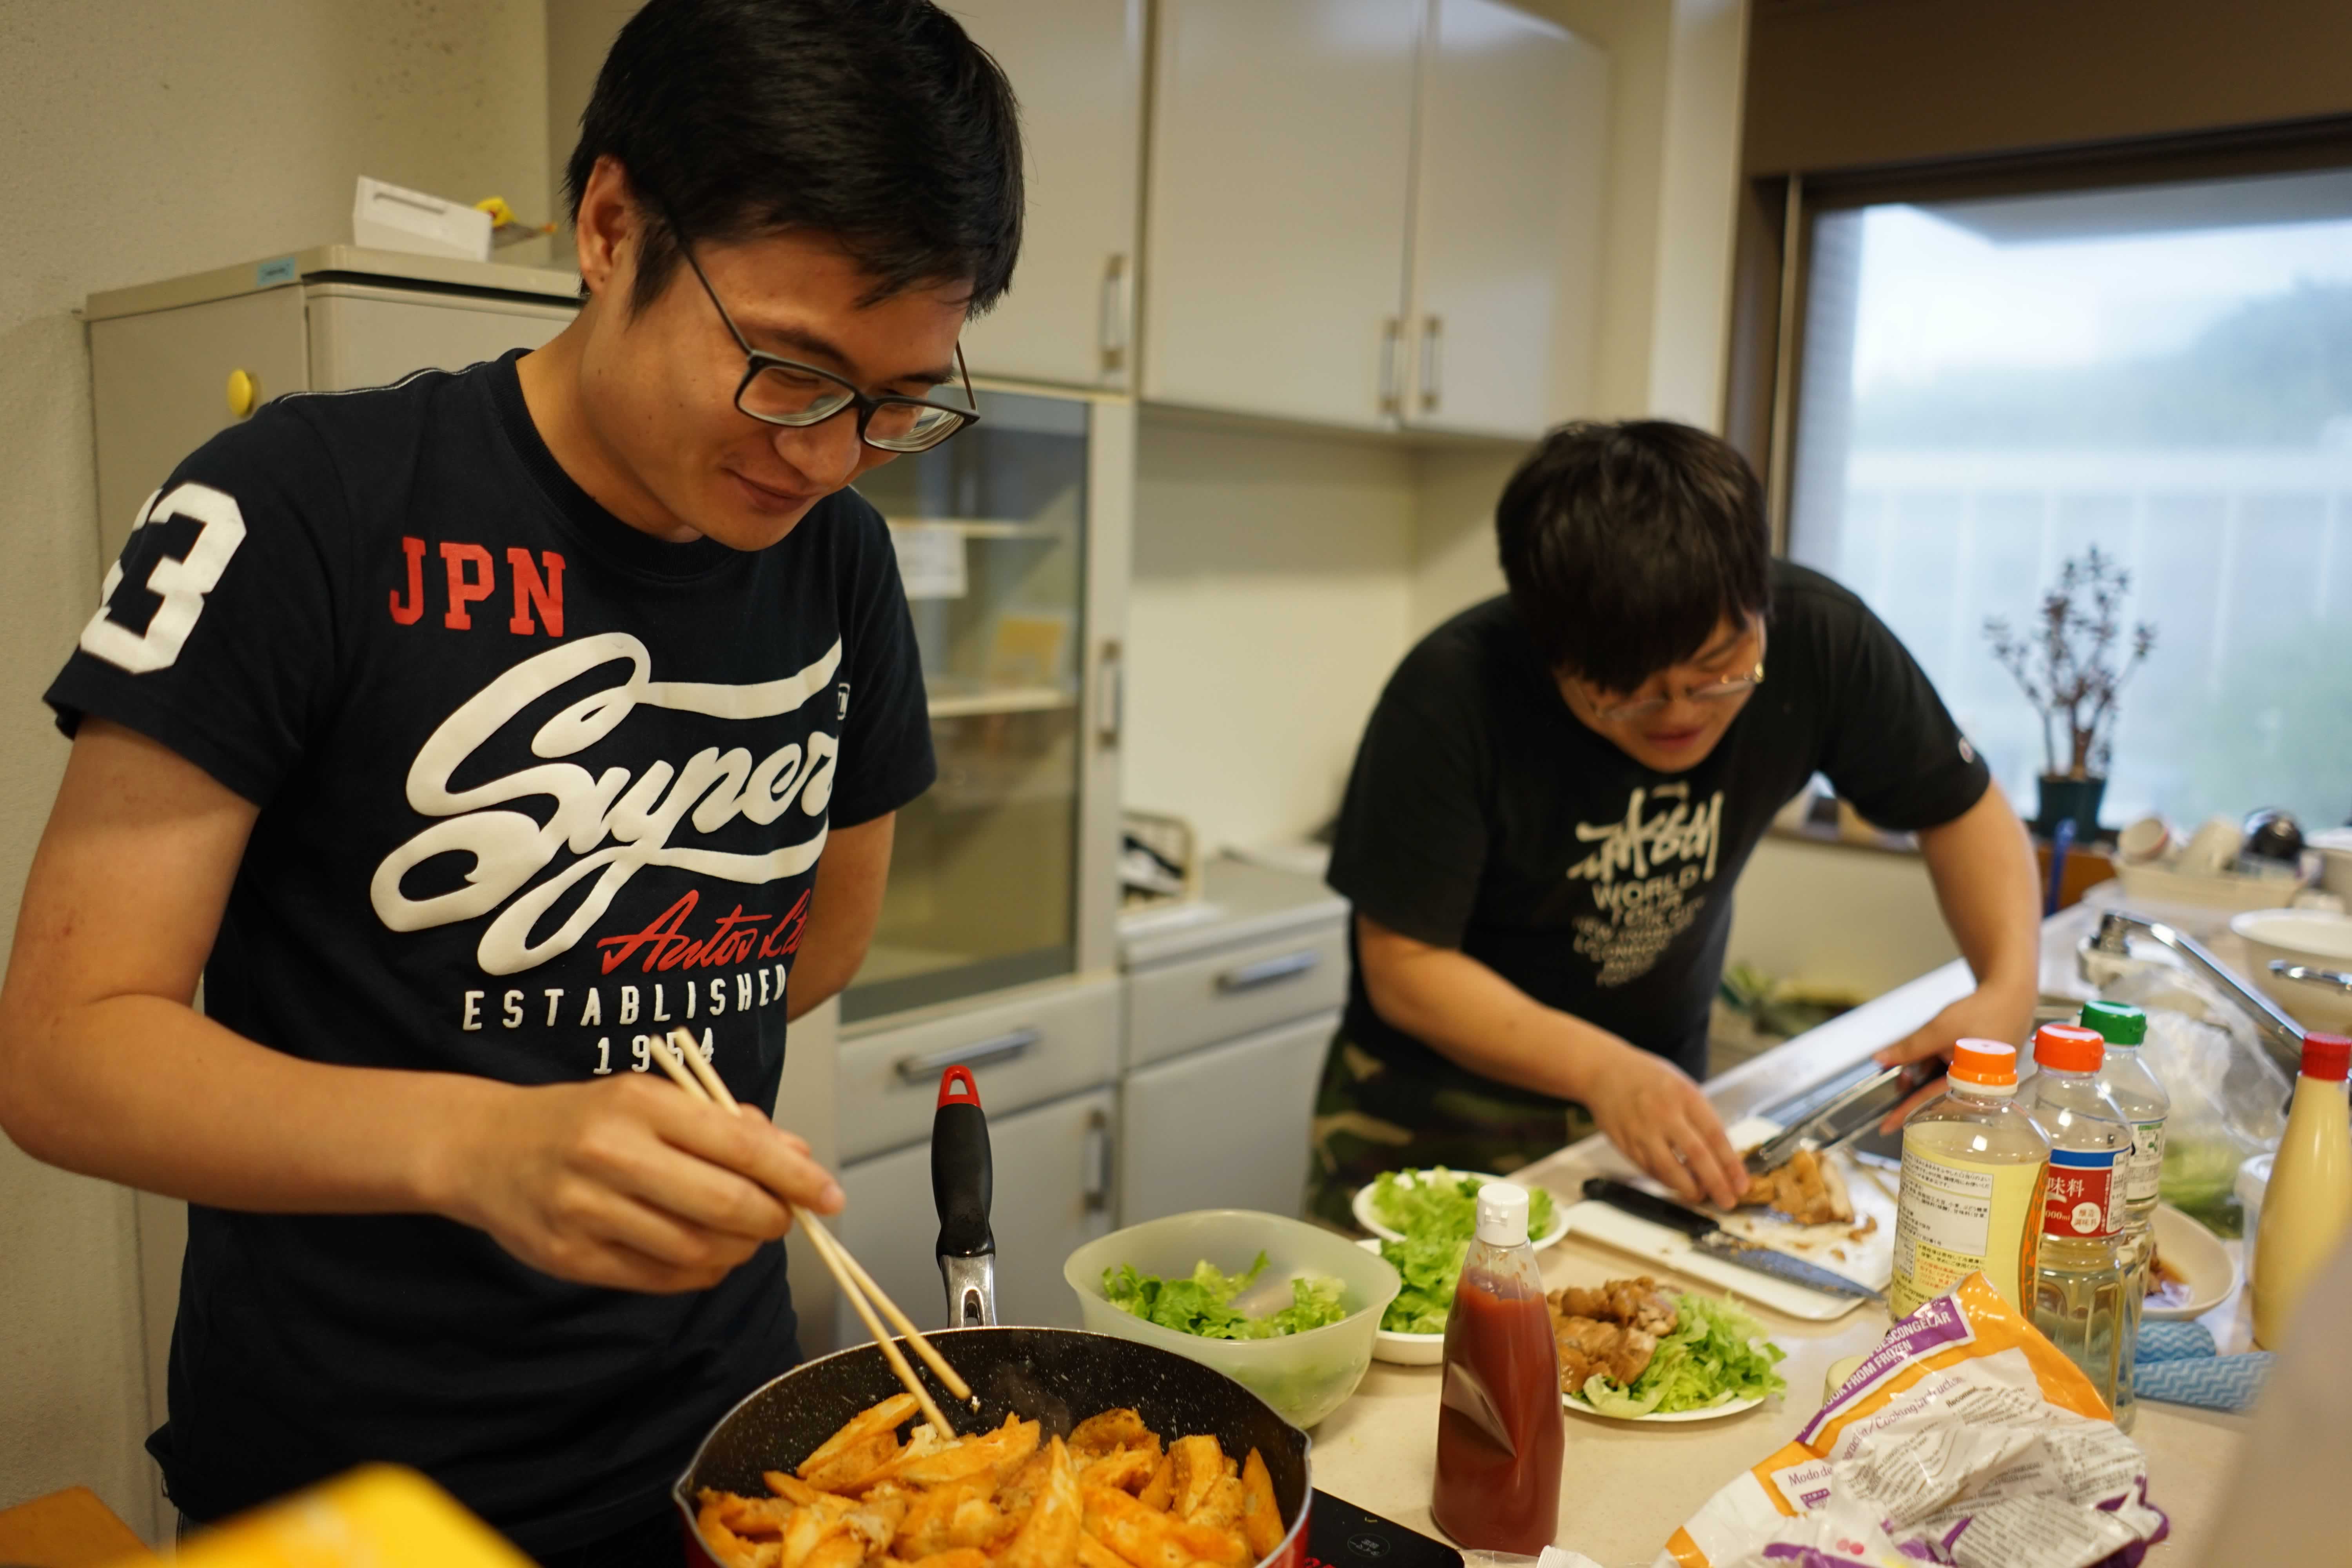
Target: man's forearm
[[148, 1092], [1476, 1018], [1982, 865]]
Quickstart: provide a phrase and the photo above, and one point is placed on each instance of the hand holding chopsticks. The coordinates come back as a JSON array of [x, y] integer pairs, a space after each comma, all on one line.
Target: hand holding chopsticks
[[682, 1060]]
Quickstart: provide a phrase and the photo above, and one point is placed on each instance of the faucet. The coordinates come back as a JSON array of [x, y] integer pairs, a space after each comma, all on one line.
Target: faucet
[[2281, 1035]]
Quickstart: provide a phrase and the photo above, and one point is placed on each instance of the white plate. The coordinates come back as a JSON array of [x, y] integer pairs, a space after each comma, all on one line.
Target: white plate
[[2198, 1254], [1712, 1413], [1363, 1208], [1403, 1349]]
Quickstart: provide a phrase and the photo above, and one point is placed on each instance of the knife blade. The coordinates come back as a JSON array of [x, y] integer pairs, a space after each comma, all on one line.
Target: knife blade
[[1716, 1242], [1853, 1110]]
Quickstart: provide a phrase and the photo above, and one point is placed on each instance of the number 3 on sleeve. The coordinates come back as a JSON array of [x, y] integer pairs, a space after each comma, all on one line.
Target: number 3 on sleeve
[[182, 584]]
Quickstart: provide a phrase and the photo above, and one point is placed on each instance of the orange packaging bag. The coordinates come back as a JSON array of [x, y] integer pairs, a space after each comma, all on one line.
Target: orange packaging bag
[[1966, 1438]]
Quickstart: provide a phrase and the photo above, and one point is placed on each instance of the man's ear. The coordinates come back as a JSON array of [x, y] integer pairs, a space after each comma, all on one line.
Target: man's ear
[[605, 234]]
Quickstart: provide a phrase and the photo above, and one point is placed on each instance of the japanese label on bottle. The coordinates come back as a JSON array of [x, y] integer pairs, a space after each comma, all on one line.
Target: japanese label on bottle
[[1954, 1219], [2147, 1161], [2086, 1201]]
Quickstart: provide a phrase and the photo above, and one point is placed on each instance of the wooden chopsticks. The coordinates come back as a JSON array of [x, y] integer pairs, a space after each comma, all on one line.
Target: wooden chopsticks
[[683, 1062]]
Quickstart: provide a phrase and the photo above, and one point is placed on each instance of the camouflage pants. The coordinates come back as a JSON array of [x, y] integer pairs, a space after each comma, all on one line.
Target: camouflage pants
[[1372, 1116]]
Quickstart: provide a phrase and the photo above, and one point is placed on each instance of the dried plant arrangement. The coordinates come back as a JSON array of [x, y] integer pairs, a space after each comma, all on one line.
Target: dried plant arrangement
[[2075, 661]]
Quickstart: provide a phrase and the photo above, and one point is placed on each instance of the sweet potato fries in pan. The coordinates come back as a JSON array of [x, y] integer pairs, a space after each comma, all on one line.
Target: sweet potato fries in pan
[[1108, 1497]]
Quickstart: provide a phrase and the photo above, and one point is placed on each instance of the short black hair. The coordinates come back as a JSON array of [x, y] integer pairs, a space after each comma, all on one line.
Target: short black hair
[[878, 123], [1626, 545]]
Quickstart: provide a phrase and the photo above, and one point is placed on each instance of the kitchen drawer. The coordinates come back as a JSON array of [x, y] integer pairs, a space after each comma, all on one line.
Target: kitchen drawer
[[1052, 1196], [1224, 1127], [1024, 1049], [1199, 1001]]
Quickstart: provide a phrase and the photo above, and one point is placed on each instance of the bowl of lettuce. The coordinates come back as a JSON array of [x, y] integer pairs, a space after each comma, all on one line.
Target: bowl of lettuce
[[1422, 1223], [1285, 1309], [1715, 1363]]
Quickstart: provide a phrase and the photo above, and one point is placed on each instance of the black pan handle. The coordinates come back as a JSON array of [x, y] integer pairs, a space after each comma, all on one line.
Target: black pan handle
[[1650, 1206], [963, 1172]]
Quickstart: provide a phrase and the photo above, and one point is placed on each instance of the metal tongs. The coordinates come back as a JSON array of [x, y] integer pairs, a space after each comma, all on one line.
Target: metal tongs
[[1852, 1110]]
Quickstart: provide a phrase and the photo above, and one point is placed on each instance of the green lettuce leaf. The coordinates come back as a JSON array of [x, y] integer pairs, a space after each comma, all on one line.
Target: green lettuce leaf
[[1201, 1304], [1717, 1354], [1438, 1213]]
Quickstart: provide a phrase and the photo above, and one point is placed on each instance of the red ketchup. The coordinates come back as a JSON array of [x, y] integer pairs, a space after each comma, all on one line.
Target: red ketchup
[[1500, 1438]]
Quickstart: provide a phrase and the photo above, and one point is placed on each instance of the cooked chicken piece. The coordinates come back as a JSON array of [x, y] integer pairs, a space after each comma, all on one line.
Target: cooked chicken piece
[[1637, 1302], [1617, 1351], [1808, 1189]]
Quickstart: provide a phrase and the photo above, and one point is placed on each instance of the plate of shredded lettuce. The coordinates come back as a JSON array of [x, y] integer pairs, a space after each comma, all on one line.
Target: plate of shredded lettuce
[[1422, 1222], [1202, 1304], [1716, 1363]]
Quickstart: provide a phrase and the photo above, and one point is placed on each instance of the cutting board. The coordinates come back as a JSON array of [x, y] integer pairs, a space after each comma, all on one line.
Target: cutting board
[[1868, 1259]]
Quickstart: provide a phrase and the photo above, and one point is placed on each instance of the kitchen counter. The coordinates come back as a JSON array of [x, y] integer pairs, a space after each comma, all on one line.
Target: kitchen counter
[[1628, 1487]]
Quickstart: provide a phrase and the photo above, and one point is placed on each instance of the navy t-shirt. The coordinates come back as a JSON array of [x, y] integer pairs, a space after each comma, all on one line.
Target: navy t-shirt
[[1482, 816], [534, 788]]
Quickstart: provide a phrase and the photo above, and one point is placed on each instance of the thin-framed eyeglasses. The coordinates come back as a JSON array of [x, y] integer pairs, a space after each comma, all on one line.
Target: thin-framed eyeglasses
[[779, 391], [1723, 691]]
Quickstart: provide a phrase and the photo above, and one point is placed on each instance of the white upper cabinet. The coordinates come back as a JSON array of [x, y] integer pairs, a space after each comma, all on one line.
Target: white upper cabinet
[[1507, 242], [1281, 154], [1077, 68]]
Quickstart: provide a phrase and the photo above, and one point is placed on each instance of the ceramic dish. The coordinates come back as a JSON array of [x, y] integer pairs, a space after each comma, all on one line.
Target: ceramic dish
[[2197, 1255], [1712, 1413], [1403, 1349], [1365, 1217]]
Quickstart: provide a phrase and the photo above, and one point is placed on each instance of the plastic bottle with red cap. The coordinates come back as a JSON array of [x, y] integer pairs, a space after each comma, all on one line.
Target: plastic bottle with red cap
[[2309, 1200], [1973, 1168], [2083, 1279]]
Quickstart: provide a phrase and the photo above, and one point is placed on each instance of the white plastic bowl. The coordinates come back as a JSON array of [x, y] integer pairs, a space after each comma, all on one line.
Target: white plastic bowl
[[1304, 1377], [2317, 938]]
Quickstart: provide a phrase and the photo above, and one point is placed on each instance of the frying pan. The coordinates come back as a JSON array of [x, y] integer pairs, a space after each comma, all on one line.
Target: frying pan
[[1058, 1377]]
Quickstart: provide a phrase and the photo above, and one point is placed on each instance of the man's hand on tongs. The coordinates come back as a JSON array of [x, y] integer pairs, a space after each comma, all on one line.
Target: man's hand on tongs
[[1987, 1013]]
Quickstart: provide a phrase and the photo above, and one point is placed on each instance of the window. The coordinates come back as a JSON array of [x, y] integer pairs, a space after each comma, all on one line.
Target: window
[[1990, 387]]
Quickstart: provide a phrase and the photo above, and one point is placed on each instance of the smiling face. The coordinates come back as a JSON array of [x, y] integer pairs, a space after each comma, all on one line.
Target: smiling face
[[639, 408], [1679, 714]]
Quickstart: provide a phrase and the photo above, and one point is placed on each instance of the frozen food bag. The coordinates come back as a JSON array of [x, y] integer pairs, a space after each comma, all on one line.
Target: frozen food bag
[[1966, 1438]]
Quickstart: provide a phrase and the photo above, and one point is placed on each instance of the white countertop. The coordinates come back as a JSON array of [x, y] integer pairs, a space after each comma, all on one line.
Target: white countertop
[[1628, 1487]]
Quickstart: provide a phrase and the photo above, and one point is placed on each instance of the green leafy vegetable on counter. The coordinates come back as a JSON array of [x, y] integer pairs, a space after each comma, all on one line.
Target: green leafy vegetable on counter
[[1202, 1304], [1438, 1212], [1717, 1354]]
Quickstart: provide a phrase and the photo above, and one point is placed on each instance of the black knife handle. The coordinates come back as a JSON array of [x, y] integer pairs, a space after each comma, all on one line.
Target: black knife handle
[[963, 1170], [1650, 1206]]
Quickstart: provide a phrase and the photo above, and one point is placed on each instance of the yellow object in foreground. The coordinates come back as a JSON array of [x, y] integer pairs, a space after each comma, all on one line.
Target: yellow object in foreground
[[380, 1516]]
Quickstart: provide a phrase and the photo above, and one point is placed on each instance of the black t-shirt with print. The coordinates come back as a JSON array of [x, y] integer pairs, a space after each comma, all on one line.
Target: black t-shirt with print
[[1482, 816], [534, 788]]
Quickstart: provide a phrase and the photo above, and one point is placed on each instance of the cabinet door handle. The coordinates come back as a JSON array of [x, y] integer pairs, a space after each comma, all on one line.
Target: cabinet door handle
[[1109, 694], [1268, 971], [1095, 1176], [1112, 328], [1392, 341], [1431, 372], [924, 1070]]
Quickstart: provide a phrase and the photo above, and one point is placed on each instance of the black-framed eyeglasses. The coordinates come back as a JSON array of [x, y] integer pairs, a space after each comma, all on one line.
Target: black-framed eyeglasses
[[779, 391]]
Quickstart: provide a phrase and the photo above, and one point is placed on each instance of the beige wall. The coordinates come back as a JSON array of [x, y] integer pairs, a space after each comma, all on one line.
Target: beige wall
[[140, 140]]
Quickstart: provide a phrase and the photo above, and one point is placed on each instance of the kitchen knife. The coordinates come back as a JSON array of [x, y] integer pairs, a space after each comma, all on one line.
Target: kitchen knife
[[1855, 1109], [1716, 1242]]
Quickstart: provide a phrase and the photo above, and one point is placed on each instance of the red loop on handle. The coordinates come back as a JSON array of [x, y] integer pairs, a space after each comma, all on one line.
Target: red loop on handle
[[956, 1088]]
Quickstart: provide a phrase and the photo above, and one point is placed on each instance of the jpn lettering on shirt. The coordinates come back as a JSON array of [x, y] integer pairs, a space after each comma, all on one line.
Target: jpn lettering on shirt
[[1648, 873]]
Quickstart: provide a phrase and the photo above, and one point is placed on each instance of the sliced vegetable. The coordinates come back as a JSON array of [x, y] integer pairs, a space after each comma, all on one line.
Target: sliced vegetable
[[1437, 1209]]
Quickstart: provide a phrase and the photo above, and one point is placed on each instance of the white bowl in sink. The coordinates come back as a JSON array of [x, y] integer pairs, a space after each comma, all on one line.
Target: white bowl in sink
[[2317, 938]]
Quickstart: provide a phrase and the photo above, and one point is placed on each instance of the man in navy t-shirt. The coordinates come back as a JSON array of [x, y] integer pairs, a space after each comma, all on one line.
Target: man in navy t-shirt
[[466, 737]]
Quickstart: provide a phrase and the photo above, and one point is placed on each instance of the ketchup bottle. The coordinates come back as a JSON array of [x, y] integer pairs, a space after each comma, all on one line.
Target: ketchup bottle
[[1500, 1439]]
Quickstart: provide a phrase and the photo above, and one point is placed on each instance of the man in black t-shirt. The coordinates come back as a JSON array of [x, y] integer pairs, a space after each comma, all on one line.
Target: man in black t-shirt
[[468, 736], [1558, 789]]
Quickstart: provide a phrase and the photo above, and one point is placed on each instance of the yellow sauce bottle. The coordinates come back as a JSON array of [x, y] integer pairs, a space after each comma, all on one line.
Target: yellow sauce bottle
[[1974, 1169], [2309, 1199]]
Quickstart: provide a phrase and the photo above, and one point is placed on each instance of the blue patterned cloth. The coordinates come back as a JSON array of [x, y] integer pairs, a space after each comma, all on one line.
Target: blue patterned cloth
[[2176, 1364]]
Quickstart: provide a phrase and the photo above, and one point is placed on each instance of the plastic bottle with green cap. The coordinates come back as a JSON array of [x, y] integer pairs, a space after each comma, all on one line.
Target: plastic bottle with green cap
[[2140, 1095]]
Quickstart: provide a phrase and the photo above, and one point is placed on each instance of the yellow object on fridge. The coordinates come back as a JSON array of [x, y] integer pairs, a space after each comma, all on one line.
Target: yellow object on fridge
[[380, 1516]]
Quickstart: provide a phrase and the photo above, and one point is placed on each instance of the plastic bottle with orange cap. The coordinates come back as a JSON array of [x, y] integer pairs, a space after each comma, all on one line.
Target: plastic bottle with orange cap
[[2082, 1284], [1974, 1169], [2308, 1203]]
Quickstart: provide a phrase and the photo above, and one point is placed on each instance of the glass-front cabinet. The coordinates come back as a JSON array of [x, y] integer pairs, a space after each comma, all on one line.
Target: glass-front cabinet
[[993, 537]]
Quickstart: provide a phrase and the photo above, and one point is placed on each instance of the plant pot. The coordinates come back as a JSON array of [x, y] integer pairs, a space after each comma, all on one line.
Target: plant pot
[[2076, 800]]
